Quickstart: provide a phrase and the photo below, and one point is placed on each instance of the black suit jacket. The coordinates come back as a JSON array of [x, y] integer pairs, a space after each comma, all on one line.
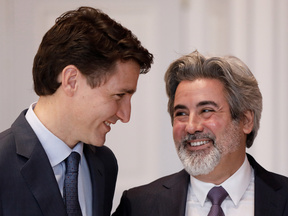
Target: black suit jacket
[[167, 196], [27, 183]]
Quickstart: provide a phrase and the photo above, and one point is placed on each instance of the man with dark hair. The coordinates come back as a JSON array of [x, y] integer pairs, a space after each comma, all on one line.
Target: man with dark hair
[[52, 159], [215, 106]]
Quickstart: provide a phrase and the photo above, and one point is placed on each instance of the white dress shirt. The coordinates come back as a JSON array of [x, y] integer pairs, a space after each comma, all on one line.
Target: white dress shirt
[[57, 151], [240, 187]]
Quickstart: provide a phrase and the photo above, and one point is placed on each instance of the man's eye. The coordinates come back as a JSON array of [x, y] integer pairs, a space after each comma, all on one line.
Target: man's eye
[[207, 110], [180, 114], [121, 95], [207, 113]]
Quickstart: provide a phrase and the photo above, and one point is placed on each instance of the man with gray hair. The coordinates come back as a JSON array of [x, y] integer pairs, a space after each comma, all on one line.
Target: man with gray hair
[[215, 106]]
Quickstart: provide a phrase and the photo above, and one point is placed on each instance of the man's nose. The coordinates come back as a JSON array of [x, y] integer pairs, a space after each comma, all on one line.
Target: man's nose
[[194, 124], [124, 111]]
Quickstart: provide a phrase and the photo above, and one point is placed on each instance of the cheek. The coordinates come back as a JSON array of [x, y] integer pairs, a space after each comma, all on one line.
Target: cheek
[[215, 126], [178, 130], [108, 109], [114, 107]]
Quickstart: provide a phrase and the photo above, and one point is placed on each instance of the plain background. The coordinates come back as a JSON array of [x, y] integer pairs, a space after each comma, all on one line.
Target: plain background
[[256, 31]]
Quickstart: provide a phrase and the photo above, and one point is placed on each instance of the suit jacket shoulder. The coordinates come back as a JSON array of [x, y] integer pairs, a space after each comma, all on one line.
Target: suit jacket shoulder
[[27, 182], [271, 191], [165, 196]]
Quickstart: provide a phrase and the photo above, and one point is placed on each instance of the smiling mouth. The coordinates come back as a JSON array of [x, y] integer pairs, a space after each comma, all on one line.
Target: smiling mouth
[[107, 123], [199, 143]]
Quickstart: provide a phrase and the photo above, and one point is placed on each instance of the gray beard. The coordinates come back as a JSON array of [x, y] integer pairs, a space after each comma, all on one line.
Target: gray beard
[[202, 162], [199, 162]]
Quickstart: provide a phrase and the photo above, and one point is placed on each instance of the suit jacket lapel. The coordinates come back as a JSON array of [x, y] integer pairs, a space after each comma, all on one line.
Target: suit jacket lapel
[[96, 169], [172, 201], [36, 169], [268, 200]]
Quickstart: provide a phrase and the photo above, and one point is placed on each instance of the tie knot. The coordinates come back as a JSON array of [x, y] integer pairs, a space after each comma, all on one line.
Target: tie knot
[[216, 195], [72, 162]]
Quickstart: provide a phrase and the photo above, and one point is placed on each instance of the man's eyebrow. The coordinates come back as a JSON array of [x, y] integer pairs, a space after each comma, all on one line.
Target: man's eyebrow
[[128, 91], [203, 103], [179, 106]]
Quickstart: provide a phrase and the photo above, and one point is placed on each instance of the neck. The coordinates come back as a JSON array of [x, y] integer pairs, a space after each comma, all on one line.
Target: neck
[[49, 110]]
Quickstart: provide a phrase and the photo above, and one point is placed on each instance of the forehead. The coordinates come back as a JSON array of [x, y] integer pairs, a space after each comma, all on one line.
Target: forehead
[[200, 90]]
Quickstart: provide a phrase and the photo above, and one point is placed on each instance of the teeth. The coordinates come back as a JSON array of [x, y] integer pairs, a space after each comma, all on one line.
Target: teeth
[[107, 123], [198, 143]]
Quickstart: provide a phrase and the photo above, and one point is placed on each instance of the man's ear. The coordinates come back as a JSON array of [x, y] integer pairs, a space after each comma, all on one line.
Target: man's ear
[[248, 121], [68, 78]]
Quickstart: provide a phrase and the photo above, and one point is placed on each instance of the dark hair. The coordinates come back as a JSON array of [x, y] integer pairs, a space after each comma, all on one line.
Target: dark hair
[[90, 40], [240, 86]]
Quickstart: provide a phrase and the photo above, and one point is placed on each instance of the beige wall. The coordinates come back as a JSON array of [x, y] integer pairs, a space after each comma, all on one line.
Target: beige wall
[[254, 30]]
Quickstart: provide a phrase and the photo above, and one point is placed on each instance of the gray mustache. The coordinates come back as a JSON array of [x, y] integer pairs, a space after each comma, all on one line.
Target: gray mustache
[[198, 135]]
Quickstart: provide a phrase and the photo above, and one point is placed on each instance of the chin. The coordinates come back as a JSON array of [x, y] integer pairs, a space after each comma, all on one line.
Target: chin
[[199, 162], [98, 142]]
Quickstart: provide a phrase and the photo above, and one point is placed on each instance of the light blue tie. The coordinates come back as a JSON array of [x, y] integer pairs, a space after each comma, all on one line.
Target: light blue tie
[[70, 190]]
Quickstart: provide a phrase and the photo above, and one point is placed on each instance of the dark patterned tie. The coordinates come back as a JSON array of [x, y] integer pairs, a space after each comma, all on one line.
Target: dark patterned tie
[[70, 190], [216, 195]]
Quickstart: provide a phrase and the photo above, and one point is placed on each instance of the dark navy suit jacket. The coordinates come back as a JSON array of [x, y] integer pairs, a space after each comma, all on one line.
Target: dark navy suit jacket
[[167, 196], [27, 183]]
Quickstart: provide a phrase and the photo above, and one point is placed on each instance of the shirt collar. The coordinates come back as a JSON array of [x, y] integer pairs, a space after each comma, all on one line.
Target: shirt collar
[[55, 148], [242, 177]]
